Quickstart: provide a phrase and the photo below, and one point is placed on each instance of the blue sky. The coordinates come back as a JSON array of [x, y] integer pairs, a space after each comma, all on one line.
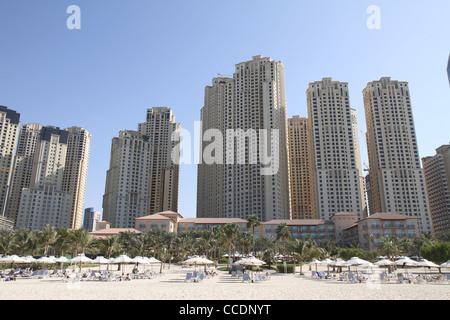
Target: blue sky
[[132, 55]]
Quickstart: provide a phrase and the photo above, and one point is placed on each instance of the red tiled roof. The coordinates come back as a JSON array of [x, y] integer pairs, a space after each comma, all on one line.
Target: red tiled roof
[[155, 216], [390, 216], [296, 222], [212, 220]]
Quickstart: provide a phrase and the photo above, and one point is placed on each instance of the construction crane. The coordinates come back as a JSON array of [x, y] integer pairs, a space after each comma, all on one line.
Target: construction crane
[[223, 75]]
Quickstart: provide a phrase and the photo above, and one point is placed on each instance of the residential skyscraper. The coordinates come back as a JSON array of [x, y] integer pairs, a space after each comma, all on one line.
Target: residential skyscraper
[[75, 171], [23, 166], [44, 202], [437, 177], [142, 178], [90, 219], [9, 131], [396, 177], [245, 119], [334, 150], [300, 169], [50, 164]]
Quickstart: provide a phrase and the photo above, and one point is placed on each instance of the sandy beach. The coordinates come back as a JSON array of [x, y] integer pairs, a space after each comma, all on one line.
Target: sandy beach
[[171, 286]]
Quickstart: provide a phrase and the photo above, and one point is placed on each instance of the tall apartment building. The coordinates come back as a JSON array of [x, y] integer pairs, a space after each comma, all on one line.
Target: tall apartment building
[[50, 167], [75, 171], [300, 169], [9, 131], [90, 219], [334, 150], [44, 202], [142, 178], [396, 177], [437, 177], [23, 167], [248, 173]]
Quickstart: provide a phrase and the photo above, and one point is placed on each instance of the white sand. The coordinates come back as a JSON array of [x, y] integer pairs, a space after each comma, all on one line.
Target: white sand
[[171, 286]]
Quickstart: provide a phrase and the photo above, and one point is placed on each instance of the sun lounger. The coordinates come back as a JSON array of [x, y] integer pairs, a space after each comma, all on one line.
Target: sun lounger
[[188, 277], [245, 278], [351, 278], [258, 277], [44, 274], [233, 274], [200, 277]]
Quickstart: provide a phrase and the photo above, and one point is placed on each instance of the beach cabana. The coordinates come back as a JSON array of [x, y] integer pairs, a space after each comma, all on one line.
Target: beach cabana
[[81, 258]]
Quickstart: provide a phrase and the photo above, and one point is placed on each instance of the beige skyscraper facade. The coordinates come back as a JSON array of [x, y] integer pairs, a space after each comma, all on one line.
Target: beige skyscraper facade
[[23, 166], [142, 178], [300, 169], [9, 132], [248, 114], [49, 180], [396, 177], [75, 171], [437, 176], [337, 182]]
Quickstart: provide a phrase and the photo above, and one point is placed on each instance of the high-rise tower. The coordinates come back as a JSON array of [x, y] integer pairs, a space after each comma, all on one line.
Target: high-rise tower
[[396, 177], [300, 169], [437, 176], [143, 178], [244, 154], [336, 168], [9, 131]]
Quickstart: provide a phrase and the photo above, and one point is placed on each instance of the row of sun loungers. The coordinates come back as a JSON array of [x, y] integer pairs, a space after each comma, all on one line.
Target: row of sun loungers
[[383, 277]]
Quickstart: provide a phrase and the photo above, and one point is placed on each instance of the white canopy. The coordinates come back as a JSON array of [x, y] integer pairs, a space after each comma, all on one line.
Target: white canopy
[[250, 262], [198, 261], [45, 260], [405, 260], [101, 260], [122, 259], [81, 258], [426, 263], [61, 259], [384, 262]]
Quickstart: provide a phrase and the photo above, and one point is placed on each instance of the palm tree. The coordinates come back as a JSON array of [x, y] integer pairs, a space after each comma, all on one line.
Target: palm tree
[[283, 234], [389, 246], [62, 243], [47, 237], [252, 223], [80, 240], [109, 245], [22, 240], [230, 232], [7, 239], [299, 248]]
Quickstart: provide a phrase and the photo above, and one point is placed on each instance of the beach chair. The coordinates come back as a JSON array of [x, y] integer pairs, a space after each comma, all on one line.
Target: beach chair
[[233, 274], [188, 277], [313, 274], [420, 280], [400, 278], [258, 277], [44, 274], [201, 277], [351, 278], [245, 278]]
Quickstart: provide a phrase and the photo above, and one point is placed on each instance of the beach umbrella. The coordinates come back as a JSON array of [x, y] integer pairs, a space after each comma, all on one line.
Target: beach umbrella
[[314, 262], [405, 261], [446, 264], [355, 261], [425, 263], [29, 259], [195, 261], [61, 260], [81, 258], [46, 260], [250, 262], [122, 259], [101, 260]]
